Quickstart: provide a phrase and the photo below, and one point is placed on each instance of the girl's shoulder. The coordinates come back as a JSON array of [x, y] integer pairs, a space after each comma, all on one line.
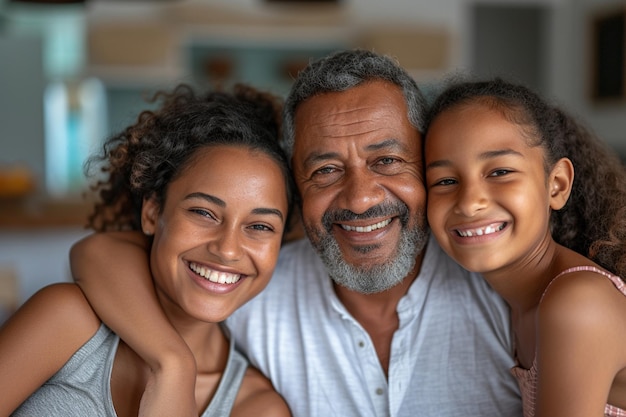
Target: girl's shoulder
[[583, 297]]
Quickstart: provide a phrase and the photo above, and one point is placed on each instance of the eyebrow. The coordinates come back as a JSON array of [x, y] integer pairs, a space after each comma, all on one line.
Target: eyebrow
[[483, 157], [218, 201], [315, 157]]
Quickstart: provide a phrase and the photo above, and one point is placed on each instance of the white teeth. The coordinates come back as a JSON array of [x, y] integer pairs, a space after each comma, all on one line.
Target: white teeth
[[481, 231], [362, 229], [214, 276]]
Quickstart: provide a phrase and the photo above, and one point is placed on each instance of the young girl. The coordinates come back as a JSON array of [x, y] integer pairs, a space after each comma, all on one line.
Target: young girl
[[500, 166], [205, 180]]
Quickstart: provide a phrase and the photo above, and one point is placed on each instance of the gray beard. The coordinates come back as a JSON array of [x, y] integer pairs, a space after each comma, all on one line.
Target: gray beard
[[376, 278]]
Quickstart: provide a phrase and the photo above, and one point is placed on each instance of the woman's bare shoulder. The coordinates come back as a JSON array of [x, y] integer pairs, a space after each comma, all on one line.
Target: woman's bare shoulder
[[258, 397]]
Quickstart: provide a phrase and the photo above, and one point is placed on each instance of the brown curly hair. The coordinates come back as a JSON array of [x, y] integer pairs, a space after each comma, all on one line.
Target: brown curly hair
[[593, 222], [142, 160]]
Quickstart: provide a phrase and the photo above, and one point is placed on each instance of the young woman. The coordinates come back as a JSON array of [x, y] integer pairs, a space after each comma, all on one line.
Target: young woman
[[503, 200], [205, 180]]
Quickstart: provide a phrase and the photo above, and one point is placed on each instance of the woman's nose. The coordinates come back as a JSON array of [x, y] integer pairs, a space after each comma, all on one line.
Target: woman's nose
[[227, 245]]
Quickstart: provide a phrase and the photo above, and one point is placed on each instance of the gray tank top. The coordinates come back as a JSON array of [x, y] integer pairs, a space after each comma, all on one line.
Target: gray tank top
[[82, 387]]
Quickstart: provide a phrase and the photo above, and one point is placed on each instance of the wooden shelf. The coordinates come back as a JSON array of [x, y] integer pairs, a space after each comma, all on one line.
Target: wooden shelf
[[31, 213]]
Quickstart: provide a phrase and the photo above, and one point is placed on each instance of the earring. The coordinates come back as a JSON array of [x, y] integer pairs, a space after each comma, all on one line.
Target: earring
[[148, 233]]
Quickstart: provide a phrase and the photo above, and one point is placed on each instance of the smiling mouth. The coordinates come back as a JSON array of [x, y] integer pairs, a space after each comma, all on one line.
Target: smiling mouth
[[481, 231], [365, 229], [218, 277]]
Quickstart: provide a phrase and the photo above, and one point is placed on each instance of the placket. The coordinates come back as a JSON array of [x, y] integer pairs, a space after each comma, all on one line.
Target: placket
[[375, 379]]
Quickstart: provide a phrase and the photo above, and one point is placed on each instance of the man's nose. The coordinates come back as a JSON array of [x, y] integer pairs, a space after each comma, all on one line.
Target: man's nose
[[361, 190]]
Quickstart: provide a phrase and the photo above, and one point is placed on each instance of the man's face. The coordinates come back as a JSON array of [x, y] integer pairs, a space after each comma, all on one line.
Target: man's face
[[357, 162]]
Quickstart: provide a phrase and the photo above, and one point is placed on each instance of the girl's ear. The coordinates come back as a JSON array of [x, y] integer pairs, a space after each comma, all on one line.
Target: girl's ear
[[149, 215], [560, 183]]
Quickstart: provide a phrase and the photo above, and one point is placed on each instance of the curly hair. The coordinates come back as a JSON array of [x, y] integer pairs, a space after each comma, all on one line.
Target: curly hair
[[343, 70], [593, 222], [142, 160]]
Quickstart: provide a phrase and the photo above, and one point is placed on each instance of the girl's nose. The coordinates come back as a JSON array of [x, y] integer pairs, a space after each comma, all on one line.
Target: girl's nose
[[471, 199]]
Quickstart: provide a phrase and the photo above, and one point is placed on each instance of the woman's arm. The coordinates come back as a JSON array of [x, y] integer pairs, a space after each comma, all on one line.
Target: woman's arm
[[113, 271], [39, 338]]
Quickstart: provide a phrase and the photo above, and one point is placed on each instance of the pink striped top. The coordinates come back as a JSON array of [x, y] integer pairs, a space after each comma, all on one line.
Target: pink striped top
[[527, 378]]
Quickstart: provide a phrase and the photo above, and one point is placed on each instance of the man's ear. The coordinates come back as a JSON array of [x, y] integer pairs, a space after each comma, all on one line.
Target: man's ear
[[149, 215], [560, 183]]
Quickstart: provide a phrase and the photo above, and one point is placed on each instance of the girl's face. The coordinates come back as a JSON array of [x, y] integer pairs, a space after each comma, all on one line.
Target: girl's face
[[488, 194], [217, 237]]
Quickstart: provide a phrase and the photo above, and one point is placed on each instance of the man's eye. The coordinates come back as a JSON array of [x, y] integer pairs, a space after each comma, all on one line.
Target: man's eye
[[387, 161], [324, 171]]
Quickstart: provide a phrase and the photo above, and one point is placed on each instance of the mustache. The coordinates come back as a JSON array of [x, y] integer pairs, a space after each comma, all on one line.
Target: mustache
[[385, 209]]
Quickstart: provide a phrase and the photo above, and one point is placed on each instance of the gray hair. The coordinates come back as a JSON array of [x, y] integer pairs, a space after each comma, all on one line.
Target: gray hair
[[343, 70]]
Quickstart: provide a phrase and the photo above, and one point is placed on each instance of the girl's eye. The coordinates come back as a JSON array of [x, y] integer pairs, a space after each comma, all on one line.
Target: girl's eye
[[499, 172], [445, 181]]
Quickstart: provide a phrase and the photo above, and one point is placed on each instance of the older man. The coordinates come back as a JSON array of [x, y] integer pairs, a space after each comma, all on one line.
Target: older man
[[368, 317]]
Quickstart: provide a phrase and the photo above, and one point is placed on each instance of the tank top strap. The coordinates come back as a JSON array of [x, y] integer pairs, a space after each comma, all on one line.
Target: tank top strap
[[228, 387], [617, 281]]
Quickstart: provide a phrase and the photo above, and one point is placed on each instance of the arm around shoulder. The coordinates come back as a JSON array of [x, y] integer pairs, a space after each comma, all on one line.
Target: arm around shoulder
[[113, 271]]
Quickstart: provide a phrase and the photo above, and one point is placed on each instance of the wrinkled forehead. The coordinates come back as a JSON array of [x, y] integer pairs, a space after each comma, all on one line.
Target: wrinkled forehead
[[372, 110]]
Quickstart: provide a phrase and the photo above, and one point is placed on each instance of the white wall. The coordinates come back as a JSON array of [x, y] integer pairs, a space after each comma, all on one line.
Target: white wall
[[608, 120], [38, 257]]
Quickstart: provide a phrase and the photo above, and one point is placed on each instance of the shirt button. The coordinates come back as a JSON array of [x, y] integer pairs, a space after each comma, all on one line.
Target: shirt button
[[361, 343], [379, 391]]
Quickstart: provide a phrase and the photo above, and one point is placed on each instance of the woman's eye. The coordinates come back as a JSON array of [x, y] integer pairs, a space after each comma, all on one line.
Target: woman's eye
[[262, 227], [204, 213]]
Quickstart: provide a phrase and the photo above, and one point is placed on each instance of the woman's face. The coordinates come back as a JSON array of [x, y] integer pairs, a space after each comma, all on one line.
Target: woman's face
[[217, 237]]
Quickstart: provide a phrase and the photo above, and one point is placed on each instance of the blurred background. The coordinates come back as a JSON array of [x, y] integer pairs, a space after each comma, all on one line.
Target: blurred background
[[74, 72]]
